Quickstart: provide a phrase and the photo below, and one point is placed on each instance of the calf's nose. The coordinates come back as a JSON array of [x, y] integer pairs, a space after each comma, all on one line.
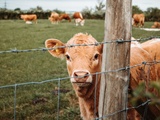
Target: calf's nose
[[81, 76]]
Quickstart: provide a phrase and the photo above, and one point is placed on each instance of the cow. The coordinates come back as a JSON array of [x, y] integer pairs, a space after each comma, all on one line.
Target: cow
[[54, 18], [154, 52], [84, 77], [77, 16], [156, 25], [65, 16], [31, 17], [151, 54], [138, 20]]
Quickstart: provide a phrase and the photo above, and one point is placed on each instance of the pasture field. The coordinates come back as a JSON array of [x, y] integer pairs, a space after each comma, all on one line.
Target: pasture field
[[40, 101]]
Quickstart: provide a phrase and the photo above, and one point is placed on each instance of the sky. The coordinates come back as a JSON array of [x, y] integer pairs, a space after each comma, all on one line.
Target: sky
[[68, 5]]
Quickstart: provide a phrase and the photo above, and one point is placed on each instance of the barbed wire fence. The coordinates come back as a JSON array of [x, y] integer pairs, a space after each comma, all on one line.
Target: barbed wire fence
[[14, 86]]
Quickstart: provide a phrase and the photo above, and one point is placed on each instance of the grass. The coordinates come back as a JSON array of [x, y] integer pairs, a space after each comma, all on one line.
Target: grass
[[39, 101]]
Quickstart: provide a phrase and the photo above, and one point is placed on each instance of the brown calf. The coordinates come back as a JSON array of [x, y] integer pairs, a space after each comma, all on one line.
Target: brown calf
[[83, 62]]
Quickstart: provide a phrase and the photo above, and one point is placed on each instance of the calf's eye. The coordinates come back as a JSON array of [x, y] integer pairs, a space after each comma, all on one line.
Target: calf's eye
[[67, 57], [96, 56]]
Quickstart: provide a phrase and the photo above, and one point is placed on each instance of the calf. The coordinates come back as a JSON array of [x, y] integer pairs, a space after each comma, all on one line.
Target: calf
[[83, 64]]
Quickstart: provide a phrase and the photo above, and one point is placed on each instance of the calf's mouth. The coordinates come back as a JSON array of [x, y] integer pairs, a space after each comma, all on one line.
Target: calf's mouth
[[82, 84]]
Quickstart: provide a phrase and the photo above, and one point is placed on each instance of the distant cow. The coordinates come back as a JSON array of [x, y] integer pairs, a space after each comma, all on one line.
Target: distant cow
[[54, 18], [138, 20], [156, 25], [65, 16], [78, 18], [31, 17], [83, 77]]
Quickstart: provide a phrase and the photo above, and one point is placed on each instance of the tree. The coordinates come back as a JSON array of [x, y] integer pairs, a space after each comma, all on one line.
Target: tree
[[100, 6], [136, 9], [87, 12], [39, 8], [17, 9], [152, 14], [98, 13]]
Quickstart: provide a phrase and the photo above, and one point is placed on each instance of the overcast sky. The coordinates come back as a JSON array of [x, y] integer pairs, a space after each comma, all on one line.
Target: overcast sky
[[68, 5]]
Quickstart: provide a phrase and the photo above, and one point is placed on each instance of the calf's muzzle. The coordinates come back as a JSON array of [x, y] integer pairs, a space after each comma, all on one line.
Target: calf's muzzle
[[81, 78]]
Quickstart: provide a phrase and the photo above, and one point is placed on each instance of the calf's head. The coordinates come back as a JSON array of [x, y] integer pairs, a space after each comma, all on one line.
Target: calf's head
[[83, 59]]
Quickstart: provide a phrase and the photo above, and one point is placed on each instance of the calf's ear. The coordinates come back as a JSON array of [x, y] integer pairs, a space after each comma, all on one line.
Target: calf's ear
[[100, 48], [55, 47]]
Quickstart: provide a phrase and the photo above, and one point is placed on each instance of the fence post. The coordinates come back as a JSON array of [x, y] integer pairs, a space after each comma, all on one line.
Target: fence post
[[114, 85]]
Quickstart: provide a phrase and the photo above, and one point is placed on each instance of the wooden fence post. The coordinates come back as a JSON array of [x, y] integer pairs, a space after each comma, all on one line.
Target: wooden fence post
[[114, 85]]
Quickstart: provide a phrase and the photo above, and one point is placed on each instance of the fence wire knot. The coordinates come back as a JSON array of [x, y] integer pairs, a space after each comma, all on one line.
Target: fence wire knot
[[144, 62], [43, 49], [96, 44], [120, 41], [126, 68], [71, 45], [14, 50]]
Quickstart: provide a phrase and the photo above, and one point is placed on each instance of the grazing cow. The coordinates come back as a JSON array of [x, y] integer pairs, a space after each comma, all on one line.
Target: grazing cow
[[31, 17], [54, 18], [78, 18], [138, 20], [156, 25], [65, 16], [83, 77]]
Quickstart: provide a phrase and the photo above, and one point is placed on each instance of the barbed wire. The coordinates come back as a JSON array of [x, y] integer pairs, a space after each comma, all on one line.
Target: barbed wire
[[15, 50]]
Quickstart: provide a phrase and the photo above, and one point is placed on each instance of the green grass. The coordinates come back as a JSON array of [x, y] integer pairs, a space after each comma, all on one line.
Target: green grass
[[38, 101]]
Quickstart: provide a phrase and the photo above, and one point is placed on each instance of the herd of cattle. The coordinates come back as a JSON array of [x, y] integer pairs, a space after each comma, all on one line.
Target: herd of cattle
[[137, 19], [55, 18], [84, 79]]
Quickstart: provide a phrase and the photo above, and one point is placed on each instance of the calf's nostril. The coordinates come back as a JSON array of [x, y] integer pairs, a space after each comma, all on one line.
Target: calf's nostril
[[86, 75], [75, 75]]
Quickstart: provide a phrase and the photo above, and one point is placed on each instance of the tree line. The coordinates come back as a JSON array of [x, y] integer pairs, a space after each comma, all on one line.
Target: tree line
[[151, 14]]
